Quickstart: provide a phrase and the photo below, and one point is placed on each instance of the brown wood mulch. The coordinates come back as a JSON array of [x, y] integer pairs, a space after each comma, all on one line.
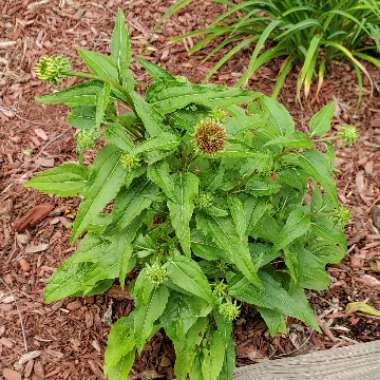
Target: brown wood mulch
[[66, 340]]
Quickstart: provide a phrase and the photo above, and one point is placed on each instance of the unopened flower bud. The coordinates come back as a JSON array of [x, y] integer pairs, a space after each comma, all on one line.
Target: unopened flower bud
[[348, 134], [205, 200], [229, 310], [156, 273], [86, 139], [343, 216], [210, 136], [128, 161], [52, 69], [219, 115]]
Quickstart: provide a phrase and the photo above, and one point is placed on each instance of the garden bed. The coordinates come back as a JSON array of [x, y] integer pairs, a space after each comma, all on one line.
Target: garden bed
[[68, 338]]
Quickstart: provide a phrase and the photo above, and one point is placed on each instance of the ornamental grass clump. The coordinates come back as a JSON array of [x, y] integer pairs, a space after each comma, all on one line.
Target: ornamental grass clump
[[206, 209], [308, 33]]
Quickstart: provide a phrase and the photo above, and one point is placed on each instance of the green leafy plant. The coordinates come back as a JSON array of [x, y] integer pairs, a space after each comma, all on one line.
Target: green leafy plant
[[209, 205], [311, 33]]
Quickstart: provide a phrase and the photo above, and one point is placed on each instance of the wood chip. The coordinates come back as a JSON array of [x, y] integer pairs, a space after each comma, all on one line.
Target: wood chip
[[36, 248], [10, 374], [375, 213], [33, 217], [28, 357]]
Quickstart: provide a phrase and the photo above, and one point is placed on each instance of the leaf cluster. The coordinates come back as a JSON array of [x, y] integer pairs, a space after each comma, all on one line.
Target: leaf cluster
[[193, 234]]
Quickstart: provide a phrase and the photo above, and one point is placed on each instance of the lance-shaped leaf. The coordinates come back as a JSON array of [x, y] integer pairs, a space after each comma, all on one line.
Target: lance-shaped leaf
[[224, 234], [78, 95], [160, 175], [102, 101], [317, 166], [66, 180], [108, 178], [272, 295], [181, 95], [185, 348], [121, 44], [131, 202], [320, 123], [82, 272], [187, 275], [164, 141], [100, 65], [297, 225], [155, 71], [182, 207], [145, 315], [213, 356], [148, 115], [117, 135]]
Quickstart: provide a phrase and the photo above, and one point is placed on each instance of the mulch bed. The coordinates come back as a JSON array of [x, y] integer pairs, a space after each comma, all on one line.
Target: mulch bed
[[66, 340]]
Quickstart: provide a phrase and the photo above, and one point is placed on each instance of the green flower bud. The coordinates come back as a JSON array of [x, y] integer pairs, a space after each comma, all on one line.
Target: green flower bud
[[210, 136], [343, 215], [220, 289], [229, 310], [86, 139], [128, 161], [52, 69], [219, 115], [156, 273], [348, 134], [205, 200]]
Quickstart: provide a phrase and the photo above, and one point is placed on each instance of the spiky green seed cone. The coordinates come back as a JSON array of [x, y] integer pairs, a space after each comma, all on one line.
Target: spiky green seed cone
[[128, 162], [348, 134], [229, 310], [86, 139], [52, 69], [156, 273]]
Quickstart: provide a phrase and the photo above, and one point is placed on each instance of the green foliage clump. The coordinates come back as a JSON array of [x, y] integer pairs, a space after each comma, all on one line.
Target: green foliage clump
[[210, 209], [311, 33]]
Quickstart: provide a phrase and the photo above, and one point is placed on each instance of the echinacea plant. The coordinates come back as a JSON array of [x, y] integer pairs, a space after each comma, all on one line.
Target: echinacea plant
[[210, 205]]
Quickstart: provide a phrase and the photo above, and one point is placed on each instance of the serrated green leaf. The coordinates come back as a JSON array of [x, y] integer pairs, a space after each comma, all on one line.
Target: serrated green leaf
[[121, 44], [293, 140], [123, 368], [182, 207], [66, 180], [120, 343], [145, 315], [78, 95], [274, 320], [224, 234], [155, 71], [82, 272], [185, 349], [273, 296], [164, 141], [320, 123], [181, 95], [213, 357], [131, 202], [239, 216], [118, 135], [148, 115], [100, 65], [160, 175], [82, 117], [279, 117], [188, 276], [262, 187], [316, 165], [108, 179], [297, 225], [102, 101]]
